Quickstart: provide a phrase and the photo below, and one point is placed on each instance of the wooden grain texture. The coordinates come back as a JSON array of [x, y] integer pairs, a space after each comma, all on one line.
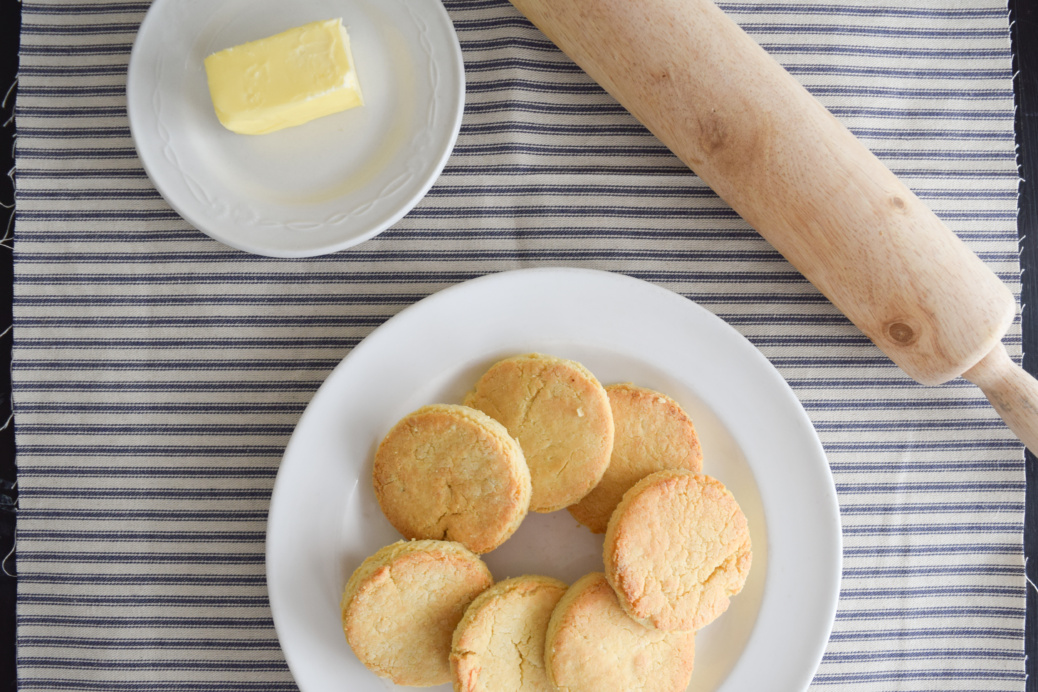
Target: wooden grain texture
[[799, 177], [1012, 392]]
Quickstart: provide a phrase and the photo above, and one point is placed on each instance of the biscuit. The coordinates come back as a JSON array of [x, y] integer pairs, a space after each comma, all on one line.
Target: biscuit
[[593, 646], [560, 414], [499, 643], [676, 549], [452, 473], [652, 433], [400, 608]]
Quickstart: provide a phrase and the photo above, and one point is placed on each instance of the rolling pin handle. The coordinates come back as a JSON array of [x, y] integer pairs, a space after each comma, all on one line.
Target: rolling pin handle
[[1012, 391]]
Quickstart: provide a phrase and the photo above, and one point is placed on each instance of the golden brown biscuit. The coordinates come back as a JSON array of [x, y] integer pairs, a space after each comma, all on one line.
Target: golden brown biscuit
[[560, 414], [452, 473], [401, 606], [676, 549], [593, 646], [652, 433], [499, 643]]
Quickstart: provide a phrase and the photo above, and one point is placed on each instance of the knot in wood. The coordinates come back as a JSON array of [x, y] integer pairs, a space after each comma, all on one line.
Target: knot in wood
[[901, 333]]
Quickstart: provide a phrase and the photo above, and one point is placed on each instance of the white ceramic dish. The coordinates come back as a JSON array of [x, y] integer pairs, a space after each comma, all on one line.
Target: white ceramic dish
[[756, 438], [312, 189]]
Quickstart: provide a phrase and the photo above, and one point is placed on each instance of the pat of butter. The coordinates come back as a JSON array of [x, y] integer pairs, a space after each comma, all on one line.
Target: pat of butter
[[284, 80]]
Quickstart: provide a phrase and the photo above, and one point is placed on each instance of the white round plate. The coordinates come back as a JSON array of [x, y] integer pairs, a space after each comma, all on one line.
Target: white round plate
[[324, 519], [312, 189]]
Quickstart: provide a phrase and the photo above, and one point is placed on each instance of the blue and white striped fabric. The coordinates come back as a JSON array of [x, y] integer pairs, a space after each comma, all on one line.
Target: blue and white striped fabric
[[158, 374]]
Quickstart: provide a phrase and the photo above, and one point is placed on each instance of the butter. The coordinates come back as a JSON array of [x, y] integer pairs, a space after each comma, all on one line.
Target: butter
[[284, 80]]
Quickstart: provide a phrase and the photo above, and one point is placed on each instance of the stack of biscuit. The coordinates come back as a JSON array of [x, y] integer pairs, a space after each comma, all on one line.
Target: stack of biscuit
[[541, 433]]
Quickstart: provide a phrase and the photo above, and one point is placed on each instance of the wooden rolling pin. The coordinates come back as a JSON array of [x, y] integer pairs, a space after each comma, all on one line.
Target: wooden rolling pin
[[728, 110]]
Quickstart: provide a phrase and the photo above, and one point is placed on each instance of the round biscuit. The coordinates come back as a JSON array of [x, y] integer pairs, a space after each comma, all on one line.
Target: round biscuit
[[676, 549], [450, 472], [652, 433], [400, 608], [593, 646], [561, 417], [499, 643]]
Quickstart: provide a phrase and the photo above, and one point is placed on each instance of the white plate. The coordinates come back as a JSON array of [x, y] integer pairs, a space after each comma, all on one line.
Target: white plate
[[756, 438], [306, 190]]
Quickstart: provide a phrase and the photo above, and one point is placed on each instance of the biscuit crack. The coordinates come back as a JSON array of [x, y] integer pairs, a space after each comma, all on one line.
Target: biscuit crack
[[529, 402]]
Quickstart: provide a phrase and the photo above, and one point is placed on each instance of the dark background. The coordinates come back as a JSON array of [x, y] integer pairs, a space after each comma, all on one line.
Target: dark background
[[10, 21], [1024, 14]]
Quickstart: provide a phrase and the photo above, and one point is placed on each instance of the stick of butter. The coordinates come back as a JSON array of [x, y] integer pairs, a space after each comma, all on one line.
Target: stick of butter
[[284, 80]]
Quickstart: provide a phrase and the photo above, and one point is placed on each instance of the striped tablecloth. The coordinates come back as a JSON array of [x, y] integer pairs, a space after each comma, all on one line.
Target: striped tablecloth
[[158, 374]]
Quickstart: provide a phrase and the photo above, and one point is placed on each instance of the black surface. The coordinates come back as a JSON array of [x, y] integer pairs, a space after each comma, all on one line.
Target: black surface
[[10, 20], [1024, 14]]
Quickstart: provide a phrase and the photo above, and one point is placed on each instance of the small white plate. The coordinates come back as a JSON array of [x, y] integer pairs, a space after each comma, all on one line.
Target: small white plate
[[756, 438], [312, 189]]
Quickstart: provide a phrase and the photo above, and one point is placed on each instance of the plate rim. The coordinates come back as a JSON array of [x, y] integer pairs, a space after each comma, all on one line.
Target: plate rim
[[136, 120], [815, 645]]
